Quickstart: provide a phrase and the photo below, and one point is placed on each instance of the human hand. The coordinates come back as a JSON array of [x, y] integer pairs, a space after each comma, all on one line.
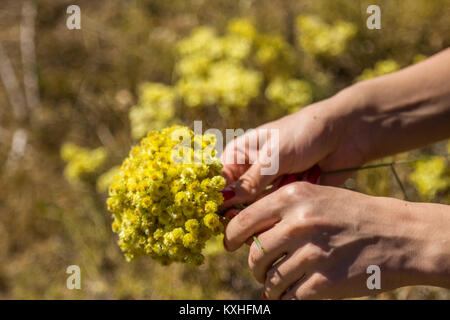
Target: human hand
[[318, 134], [326, 238], [366, 121]]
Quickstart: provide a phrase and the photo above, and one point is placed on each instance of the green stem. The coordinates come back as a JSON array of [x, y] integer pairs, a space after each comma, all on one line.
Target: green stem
[[255, 238], [258, 244]]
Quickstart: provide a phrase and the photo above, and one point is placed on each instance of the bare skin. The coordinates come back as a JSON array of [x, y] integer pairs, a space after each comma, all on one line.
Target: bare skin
[[328, 236]]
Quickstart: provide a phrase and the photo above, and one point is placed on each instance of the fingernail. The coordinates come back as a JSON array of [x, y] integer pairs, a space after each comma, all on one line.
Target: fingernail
[[228, 193]]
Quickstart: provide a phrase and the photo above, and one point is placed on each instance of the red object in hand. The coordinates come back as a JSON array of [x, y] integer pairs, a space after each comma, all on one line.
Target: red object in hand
[[311, 175], [228, 193], [289, 178]]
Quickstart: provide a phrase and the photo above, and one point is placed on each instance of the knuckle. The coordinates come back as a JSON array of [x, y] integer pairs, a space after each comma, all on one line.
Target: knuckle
[[308, 214], [272, 280], [311, 250], [293, 228], [295, 189], [291, 190], [309, 219], [311, 290], [272, 285], [248, 186], [306, 294], [317, 281], [297, 226], [310, 253], [243, 219]]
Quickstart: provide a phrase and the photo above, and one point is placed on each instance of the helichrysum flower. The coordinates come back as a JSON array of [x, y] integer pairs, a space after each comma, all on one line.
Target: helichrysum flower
[[429, 177], [290, 94], [211, 69], [82, 163], [320, 38], [106, 178], [270, 48], [233, 84], [381, 68], [242, 27], [202, 40], [155, 109], [166, 195]]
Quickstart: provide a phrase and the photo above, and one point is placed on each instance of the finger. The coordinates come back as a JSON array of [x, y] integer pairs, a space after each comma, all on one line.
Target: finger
[[256, 218], [312, 175], [235, 159], [230, 214], [290, 270], [249, 185], [261, 151], [274, 247], [232, 172], [311, 288]]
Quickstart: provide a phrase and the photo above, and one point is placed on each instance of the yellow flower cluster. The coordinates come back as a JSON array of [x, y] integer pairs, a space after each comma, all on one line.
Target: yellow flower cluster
[[381, 68], [269, 49], [242, 27], [165, 207], [215, 70], [82, 163], [319, 38], [212, 70], [429, 177], [228, 84], [290, 94], [155, 109]]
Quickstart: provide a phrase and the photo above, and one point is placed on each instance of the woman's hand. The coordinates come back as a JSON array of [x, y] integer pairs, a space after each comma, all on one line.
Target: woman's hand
[[317, 134], [366, 121], [326, 238]]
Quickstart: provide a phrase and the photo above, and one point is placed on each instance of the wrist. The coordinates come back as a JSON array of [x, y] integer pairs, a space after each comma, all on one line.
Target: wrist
[[347, 111], [373, 126], [434, 225], [422, 234]]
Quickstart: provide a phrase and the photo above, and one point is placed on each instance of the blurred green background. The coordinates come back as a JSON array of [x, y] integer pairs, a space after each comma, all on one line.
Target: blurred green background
[[141, 65]]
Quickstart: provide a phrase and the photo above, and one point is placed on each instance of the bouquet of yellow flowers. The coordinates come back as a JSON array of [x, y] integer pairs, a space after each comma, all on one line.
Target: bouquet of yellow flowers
[[166, 195]]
